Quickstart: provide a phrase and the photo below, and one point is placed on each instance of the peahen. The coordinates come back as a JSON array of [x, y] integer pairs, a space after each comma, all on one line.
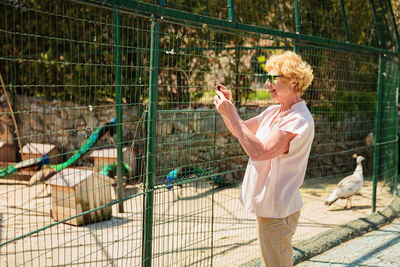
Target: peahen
[[348, 186], [181, 173]]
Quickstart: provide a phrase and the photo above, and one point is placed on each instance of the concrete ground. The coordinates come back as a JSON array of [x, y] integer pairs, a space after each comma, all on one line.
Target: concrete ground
[[194, 225], [346, 245], [376, 248]]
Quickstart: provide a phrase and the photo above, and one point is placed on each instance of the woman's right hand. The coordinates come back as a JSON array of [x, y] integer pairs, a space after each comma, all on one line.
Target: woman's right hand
[[227, 93]]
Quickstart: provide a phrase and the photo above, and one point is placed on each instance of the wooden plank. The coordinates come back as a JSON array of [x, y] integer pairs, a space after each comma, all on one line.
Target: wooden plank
[[60, 214], [90, 193]]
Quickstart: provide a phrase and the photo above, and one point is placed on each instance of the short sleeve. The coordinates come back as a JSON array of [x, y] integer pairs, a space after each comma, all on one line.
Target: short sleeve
[[304, 130], [296, 124]]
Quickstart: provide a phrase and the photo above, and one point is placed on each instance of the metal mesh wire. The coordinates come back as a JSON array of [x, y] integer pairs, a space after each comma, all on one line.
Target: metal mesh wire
[[143, 169]]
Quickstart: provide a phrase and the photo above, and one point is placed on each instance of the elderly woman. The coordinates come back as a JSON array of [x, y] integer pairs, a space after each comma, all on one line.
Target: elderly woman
[[278, 143]]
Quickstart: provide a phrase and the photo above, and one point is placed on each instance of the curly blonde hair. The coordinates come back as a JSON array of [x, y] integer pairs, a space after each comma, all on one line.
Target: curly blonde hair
[[293, 69]]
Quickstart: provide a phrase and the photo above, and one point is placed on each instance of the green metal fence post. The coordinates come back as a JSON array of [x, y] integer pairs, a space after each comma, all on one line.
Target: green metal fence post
[[280, 15], [231, 10], [395, 26], [297, 23], [118, 102], [281, 18], [151, 143], [385, 23], [396, 75], [213, 196], [396, 178], [346, 26], [396, 152], [231, 18], [378, 117], [12, 87], [378, 25], [377, 147], [16, 114]]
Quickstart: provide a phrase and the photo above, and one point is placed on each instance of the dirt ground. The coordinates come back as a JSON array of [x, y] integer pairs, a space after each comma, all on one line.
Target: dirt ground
[[186, 222]]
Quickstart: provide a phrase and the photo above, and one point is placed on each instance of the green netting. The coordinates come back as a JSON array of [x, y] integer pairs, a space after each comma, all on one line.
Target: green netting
[[388, 159], [162, 189]]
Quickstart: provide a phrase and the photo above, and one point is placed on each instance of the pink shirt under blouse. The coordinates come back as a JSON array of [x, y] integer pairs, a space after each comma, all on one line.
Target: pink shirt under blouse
[[270, 188]]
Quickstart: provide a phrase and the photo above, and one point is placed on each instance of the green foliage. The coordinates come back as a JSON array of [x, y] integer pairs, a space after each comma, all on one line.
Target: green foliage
[[322, 18], [254, 95], [259, 95], [65, 50]]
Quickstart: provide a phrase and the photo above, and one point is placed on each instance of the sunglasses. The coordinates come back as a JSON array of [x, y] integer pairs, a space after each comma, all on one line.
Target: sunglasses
[[270, 77]]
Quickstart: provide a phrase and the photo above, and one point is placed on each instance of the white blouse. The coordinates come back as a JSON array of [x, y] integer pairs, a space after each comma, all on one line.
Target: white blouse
[[270, 188]]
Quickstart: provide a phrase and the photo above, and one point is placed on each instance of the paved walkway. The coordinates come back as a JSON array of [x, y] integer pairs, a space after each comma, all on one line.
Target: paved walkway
[[376, 248]]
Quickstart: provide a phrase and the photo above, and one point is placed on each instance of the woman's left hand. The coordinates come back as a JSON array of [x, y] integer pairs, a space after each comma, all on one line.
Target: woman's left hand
[[224, 106]]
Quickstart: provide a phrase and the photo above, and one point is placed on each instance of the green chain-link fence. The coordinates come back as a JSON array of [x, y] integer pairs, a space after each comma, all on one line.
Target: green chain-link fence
[[139, 167]]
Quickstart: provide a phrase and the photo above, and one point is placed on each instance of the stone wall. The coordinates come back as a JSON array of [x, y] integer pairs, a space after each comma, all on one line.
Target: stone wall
[[64, 124], [193, 136]]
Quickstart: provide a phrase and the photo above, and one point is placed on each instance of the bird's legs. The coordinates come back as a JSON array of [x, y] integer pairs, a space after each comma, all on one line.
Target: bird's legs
[[347, 201]]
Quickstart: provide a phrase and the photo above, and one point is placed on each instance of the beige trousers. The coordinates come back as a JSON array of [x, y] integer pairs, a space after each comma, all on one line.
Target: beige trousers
[[275, 236]]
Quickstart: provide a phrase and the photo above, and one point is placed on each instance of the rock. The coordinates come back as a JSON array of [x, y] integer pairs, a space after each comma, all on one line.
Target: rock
[[80, 122], [221, 141], [5, 133], [165, 126], [67, 124], [221, 128], [63, 140], [91, 121], [80, 138]]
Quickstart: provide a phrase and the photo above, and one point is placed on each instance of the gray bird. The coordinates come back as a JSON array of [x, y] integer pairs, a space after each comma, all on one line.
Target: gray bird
[[348, 186]]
